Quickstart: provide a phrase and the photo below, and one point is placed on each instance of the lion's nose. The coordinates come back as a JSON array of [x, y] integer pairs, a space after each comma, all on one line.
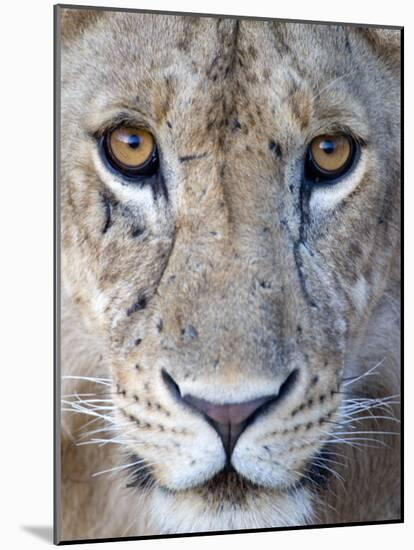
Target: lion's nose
[[229, 419]]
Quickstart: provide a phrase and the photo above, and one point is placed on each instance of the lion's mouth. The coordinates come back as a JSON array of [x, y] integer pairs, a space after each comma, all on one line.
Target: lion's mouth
[[226, 486], [230, 483], [227, 481]]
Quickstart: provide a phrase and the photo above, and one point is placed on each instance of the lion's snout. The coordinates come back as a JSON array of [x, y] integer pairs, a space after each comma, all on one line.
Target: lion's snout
[[230, 419]]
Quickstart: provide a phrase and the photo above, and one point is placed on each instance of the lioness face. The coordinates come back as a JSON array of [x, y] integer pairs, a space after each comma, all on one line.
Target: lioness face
[[230, 283]]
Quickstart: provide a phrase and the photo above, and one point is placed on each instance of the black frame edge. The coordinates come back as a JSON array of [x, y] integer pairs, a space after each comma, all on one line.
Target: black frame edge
[[56, 277]]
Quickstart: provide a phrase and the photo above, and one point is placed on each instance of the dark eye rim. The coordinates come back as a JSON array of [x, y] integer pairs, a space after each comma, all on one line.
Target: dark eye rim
[[146, 170], [315, 175]]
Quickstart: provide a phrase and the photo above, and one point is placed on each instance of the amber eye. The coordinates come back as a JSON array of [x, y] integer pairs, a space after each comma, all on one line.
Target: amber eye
[[131, 151], [330, 157]]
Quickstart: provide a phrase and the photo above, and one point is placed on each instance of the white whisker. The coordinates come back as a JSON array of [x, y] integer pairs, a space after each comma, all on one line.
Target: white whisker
[[117, 468], [102, 381], [365, 374]]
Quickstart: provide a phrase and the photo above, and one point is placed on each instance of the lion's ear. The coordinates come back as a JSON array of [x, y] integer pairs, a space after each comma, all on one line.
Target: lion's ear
[[73, 22], [386, 43]]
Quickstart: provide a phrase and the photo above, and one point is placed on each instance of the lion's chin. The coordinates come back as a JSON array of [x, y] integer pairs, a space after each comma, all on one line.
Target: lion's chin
[[226, 502]]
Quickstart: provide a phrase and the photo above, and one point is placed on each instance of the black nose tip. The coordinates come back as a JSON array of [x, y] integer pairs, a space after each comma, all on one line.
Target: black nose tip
[[229, 419]]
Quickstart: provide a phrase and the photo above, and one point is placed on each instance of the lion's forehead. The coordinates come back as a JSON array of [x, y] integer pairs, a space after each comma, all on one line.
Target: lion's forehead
[[204, 60], [133, 40]]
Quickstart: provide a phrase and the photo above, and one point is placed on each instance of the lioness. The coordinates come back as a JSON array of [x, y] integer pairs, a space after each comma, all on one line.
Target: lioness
[[230, 221]]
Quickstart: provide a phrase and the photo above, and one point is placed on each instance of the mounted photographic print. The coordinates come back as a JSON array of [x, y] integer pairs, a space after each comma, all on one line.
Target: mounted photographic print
[[228, 259]]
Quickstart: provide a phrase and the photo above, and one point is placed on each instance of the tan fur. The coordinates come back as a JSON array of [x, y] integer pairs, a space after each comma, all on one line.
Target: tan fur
[[234, 282]]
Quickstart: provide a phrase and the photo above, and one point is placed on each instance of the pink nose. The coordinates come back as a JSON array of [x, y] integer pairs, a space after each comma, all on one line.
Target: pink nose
[[229, 419]]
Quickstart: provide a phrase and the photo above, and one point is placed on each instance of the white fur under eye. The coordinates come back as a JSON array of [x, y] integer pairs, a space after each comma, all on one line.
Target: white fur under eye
[[140, 195], [327, 196]]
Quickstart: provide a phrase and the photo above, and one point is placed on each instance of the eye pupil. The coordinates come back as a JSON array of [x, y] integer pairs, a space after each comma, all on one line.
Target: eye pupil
[[134, 141], [327, 146]]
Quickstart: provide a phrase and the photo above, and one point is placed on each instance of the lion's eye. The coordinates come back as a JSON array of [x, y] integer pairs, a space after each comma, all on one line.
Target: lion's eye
[[329, 157], [131, 151]]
